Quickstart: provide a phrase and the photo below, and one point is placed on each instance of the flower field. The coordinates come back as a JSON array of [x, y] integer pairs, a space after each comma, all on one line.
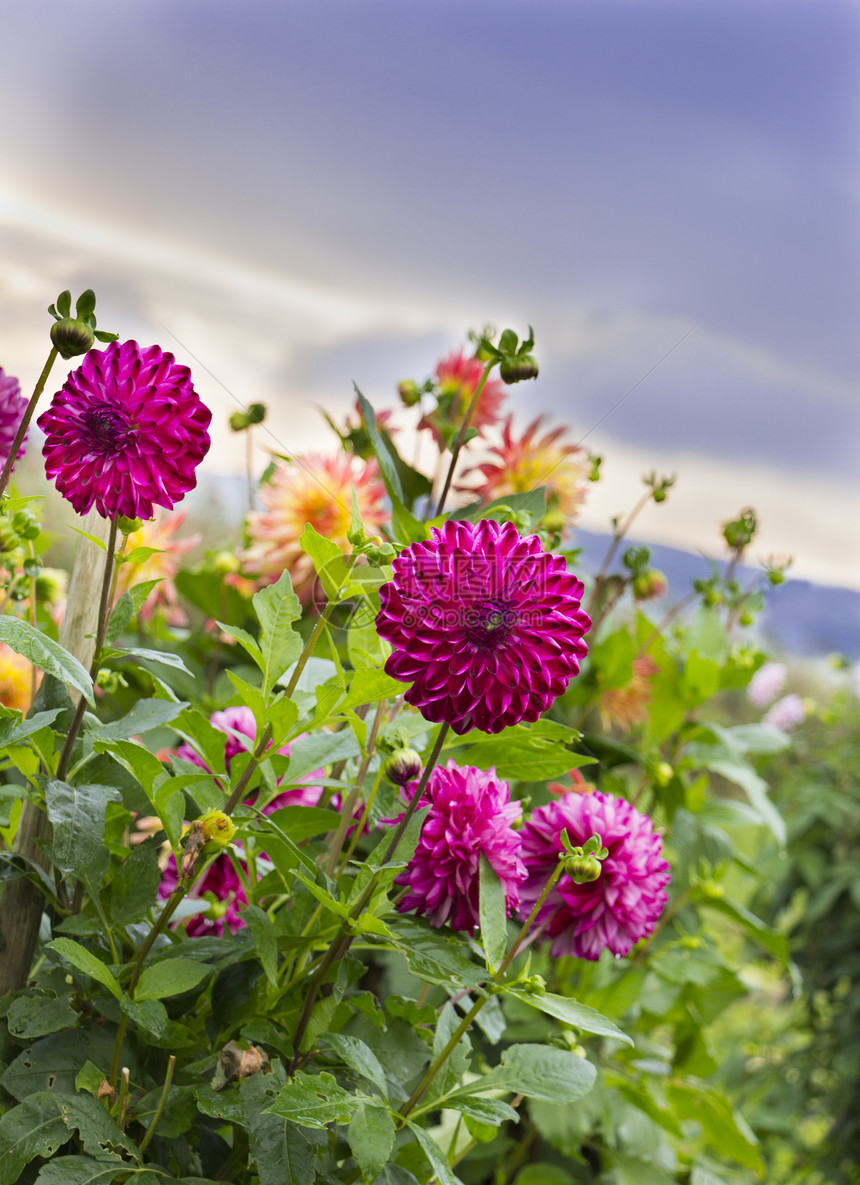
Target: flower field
[[388, 842]]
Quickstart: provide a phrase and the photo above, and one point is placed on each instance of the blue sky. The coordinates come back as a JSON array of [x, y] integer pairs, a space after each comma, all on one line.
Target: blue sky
[[302, 193]]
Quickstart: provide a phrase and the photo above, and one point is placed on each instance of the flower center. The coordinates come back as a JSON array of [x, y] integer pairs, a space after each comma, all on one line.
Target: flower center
[[108, 429], [489, 624]]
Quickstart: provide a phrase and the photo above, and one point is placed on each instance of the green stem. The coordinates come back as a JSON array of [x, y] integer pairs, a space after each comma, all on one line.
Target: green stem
[[617, 535], [343, 940], [348, 808], [461, 435], [25, 422], [320, 625], [162, 1102], [249, 771]]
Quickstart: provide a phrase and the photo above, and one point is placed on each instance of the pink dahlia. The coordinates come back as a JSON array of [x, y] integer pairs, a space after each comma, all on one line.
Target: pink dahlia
[[470, 815], [12, 408], [316, 490], [786, 713], [238, 724], [620, 907], [126, 432], [222, 887], [767, 683], [485, 624], [457, 378]]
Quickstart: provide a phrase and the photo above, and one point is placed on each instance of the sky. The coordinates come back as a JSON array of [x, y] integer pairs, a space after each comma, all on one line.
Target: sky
[[298, 194]]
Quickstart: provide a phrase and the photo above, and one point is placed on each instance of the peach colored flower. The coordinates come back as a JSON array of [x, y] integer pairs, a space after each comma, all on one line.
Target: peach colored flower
[[525, 464], [162, 565], [457, 377], [315, 489], [626, 706], [16, 680]]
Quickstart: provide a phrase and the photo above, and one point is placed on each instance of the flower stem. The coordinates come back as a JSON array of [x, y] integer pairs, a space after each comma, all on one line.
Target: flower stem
[[617, 535], [162, 1102], [25, 422], [101, 629], [461, 435], [321, 623], [348, 808], [343, 940]]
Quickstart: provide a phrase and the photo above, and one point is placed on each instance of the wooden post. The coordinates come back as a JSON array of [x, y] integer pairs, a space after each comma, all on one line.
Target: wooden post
[[22, 903]]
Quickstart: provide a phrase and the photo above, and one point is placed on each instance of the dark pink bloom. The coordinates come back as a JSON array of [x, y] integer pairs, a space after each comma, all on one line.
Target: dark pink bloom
[[470, 814], [126, 432], [485, 624], [222, 882], [12, 408], [620, 907], [241, 720]]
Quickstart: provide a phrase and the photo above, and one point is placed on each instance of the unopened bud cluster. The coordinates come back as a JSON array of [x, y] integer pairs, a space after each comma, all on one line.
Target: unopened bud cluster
[[72, 336], [583, 864]]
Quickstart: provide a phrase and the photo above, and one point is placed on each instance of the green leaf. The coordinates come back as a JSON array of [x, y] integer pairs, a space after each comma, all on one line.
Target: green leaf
[[31, 1129], [245, 640], [333, 568], [134, 889], [170, 978], [315, 1100], [45, 653], [493, 910], [150, 1015], [304, 822], [265, 940], [434, 957], [724, 1129], [360, 1058], [82, 1170], [12, 732], [64, 303], [492, 1112], [572, 1013], [437, 1158], [538, 1072], [87, 962], [765, 935], [165, 657], [283, 1154], [323, 748], [34, 1016], [371, 1138], [523, 752], [145, 715], [85, 305], [277, 607], [756, 790], [386, 462], [77, 815]]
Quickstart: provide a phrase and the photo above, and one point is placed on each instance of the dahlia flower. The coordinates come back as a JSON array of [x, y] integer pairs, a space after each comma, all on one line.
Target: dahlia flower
[[315, 490], [222, 886], [766, 684], [470, 814], [525, 464], [786, 713], [162, 565], [623, 904], [241, 721], [12, 408], [485, 624], [626, 706], [457, 378], [126, 432], [16, 680]]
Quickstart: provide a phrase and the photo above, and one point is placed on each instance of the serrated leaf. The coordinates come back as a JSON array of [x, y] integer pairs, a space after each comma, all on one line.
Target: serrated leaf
[[13, 731], [82, 1170], [87, 962], [151, 1015], [164, 657], [315, 1100], [360, 1058], [46, 654], [31, 1129], [538, 1072], [283, 1154], [437, 1158], [277, 607], [371, 1138], [145, 715], [35, 1016], [77, 815]]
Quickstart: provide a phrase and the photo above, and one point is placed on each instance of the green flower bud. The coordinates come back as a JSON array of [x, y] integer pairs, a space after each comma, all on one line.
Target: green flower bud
[[240, 420], [582, 869], [533, 985], [127, 526], [649, 584], [403, 766], [26, 524], [409, 393], [518, 368], [71, 337], [51, 585], [746, 618], [224, 562], [9, 538], [32, 565]]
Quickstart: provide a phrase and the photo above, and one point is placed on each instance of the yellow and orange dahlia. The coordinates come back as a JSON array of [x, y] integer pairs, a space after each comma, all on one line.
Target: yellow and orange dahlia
[[16, 680], [315, 489], [457, 378]]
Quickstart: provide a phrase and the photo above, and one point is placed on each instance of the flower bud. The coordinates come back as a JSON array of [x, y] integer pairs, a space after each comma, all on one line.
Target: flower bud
[[403, 766], [649, 584], [582, 869], [254, 414], [9, 538], [663, 773], [409, 393], [518, 368], [71, 337], [224, 562], [26, 524], [128, 526], [217, 828], [553, 521], [533, 985], [51, 585]]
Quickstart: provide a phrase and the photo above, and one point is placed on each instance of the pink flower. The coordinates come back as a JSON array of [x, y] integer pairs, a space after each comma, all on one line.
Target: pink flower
[[485, 624], [223, 885], [241, 721], [620, 907], [12, 408], [316, 490], [766, 684], [457, 377], [786, 713], [470, 815], [126, 432]]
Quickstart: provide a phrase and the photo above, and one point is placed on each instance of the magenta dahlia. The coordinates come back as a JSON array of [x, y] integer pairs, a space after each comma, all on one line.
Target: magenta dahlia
[[12, 408], [485, 624], [220, 886], [238, 723], [126, 432], [623, 904], [470, 814]]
